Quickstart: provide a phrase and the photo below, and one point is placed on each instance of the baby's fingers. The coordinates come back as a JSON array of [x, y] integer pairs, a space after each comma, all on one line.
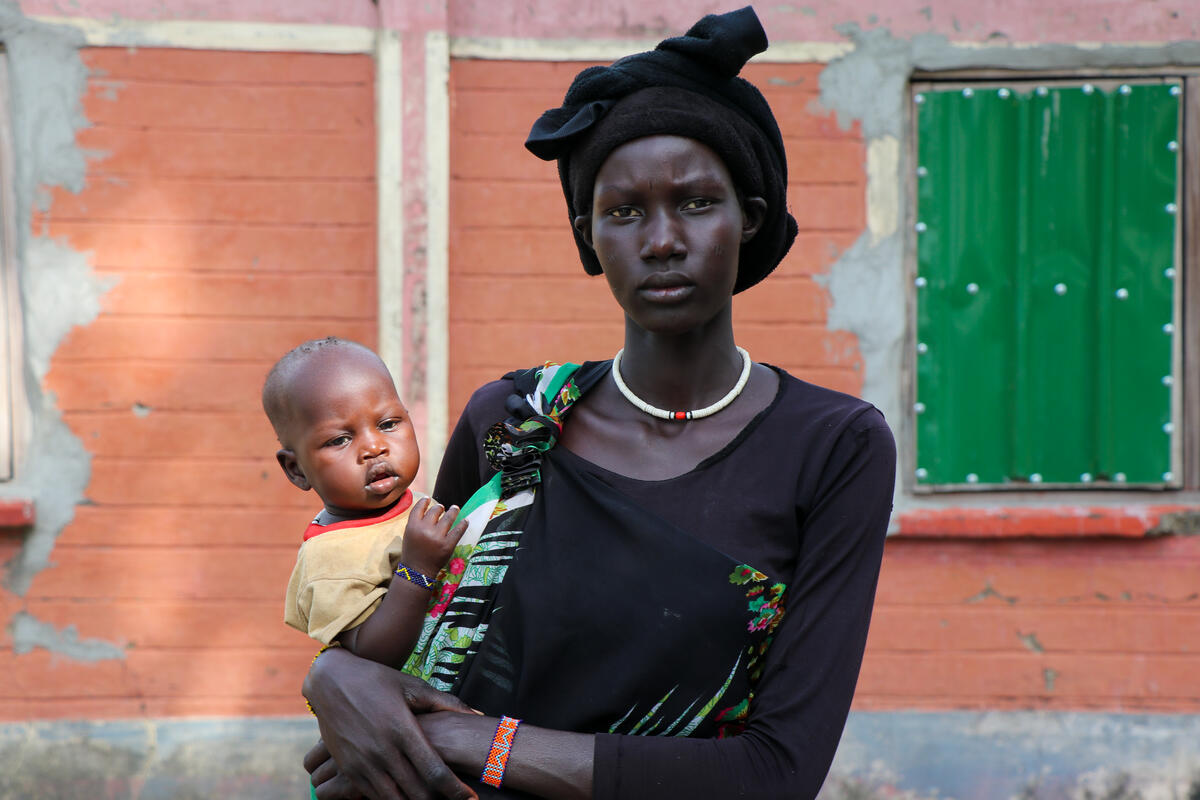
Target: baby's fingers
[[425, 503], [447, 520], [432, 511]]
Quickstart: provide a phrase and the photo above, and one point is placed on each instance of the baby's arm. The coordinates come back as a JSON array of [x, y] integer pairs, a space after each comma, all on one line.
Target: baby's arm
[[388, 635]]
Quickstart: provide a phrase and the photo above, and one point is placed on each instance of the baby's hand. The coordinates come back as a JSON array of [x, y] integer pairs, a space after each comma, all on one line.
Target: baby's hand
[[429, 537]]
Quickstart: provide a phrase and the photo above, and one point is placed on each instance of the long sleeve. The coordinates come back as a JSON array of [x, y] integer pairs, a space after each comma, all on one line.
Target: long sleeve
[[804, 696]]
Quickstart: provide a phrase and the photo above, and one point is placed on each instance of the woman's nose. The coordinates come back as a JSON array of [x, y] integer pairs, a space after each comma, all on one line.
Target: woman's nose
[[664, 238]]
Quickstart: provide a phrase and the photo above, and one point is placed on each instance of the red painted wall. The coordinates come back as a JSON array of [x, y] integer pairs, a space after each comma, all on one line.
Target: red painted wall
[[233, 205]]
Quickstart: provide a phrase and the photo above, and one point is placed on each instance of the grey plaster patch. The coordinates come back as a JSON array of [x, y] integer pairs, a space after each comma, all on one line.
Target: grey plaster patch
[[28, 633], [869, 84], [865, 284], [59, 291], [47, 80]]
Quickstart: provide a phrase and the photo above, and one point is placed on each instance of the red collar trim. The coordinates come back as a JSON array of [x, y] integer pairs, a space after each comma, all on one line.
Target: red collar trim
[[401, 506]]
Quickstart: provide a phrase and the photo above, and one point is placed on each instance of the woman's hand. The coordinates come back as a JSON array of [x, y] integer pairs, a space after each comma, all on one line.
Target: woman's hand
[[328, 783], [366, 714]]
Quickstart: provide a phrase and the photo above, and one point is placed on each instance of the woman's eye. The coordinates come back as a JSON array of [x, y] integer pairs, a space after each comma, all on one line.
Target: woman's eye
[[697, 203], [623, 212]]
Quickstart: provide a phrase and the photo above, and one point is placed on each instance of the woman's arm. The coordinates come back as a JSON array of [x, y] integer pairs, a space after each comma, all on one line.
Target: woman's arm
[[542, 762], [366, 714]]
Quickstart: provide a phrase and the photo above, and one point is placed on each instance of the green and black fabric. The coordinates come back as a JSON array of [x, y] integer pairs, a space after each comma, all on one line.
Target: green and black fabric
[[567, 577]]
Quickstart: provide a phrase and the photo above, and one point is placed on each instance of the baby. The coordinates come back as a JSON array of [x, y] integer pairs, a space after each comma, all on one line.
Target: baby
[[344, 433]]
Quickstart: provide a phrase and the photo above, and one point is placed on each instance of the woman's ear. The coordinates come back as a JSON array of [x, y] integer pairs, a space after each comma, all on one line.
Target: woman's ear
[[754, 211], [291, 468], [583, 224]]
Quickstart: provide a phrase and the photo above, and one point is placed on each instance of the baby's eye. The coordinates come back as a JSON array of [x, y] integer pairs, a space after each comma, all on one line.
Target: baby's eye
[[389, 425], [338, 441]]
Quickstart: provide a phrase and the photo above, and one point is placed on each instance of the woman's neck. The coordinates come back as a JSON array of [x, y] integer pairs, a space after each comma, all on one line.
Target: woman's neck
[[682, 372]]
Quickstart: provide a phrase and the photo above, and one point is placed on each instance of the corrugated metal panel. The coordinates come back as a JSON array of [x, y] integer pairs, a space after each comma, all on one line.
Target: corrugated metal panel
[[1046, 257]]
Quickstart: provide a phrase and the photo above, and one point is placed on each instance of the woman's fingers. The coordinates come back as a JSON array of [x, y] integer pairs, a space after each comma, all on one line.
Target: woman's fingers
[[326, 771], [338, 787], [423, 698], [429, 768], [317, 755], [367, 726]]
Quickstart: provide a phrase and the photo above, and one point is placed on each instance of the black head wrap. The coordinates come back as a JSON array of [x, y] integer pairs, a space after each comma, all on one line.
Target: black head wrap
[[687, 86]]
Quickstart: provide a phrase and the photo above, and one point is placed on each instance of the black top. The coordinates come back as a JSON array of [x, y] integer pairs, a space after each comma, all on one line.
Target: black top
[[804, 491]]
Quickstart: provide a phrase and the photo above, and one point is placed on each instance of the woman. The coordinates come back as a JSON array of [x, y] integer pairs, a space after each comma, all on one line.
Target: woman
[[690, 541]]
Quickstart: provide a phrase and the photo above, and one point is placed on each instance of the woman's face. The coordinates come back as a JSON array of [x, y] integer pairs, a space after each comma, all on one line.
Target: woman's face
[[666, 226]]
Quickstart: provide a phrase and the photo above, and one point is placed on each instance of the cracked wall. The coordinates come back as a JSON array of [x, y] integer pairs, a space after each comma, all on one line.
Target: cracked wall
[[59, 290], [187, 216]]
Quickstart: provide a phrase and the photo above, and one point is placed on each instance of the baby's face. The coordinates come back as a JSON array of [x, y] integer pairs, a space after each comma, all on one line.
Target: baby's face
[[354, 442]]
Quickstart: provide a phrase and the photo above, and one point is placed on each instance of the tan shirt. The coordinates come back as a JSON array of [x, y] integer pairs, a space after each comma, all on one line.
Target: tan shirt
[[342, 574]]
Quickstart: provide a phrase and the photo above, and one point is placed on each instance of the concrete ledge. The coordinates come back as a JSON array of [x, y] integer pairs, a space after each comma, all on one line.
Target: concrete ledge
[[1031, 755], [884, 755], [191, 759]]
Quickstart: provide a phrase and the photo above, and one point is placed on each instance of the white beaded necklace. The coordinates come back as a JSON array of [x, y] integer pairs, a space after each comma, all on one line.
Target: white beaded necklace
[[699, 413]]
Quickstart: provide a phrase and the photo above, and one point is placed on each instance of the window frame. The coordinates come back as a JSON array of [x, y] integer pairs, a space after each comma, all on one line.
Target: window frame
[[14, 411], [1187, 358]]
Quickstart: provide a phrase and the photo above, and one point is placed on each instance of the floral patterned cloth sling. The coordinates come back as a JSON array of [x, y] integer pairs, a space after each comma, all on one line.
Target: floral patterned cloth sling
[[571, 607]]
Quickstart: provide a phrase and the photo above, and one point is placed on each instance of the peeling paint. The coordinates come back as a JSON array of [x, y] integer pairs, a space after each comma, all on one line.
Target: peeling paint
[[1030, 640], [1183, 523], [1049, 676], [58, 292], [28, 633], [989, 591]]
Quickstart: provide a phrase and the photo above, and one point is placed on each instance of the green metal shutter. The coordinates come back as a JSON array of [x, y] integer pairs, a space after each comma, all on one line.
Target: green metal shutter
[[1046, 284]]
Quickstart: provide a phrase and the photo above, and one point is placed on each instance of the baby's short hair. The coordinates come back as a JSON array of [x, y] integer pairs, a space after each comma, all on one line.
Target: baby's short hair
[[275, 391]]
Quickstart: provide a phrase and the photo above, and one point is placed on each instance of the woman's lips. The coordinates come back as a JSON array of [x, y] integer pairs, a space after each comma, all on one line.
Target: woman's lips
[[666, 287]]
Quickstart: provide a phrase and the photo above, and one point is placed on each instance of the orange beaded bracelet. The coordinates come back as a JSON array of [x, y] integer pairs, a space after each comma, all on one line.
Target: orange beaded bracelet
[[497, 760]]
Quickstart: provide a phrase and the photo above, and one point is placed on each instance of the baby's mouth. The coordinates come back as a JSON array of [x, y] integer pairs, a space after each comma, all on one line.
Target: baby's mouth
[[381, 478]]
